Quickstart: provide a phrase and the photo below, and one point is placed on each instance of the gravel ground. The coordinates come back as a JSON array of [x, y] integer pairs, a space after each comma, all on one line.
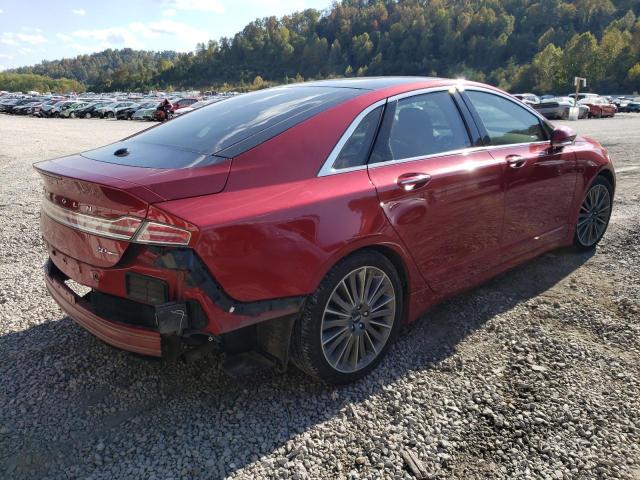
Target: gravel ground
[[536, 374]]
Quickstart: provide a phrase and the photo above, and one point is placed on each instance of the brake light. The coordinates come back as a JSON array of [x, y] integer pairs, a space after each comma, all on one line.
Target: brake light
[[161, 234], [127, 228], [122, 228]]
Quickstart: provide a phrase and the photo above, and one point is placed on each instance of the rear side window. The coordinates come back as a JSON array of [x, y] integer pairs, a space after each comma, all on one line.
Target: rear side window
[[226, 127], [419, 126], [355, 151], [505, 121]]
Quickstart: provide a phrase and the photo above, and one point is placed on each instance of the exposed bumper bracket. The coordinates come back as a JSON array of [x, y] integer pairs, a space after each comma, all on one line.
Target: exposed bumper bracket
[[133, 339]]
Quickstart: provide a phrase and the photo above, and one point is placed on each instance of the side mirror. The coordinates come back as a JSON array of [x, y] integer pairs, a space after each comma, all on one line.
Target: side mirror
[[562, 136]]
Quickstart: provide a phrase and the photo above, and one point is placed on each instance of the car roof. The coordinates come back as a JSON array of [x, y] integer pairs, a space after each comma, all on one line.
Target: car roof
[[366, 83]]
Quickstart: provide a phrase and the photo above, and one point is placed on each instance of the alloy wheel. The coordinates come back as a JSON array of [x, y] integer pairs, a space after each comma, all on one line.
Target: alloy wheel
[[358, 319], [594, 215]]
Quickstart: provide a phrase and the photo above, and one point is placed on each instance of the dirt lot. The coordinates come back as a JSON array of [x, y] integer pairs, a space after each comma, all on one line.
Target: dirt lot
[[533, 375]]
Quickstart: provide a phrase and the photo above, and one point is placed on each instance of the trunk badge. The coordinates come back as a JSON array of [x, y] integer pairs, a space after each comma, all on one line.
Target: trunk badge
[[104, 251]]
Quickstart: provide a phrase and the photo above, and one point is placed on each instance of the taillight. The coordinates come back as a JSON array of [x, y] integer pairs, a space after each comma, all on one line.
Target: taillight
[[132, 229], [161, 234], [122, 228]]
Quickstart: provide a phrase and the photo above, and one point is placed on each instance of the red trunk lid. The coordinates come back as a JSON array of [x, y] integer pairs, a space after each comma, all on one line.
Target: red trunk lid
[[109, 191]]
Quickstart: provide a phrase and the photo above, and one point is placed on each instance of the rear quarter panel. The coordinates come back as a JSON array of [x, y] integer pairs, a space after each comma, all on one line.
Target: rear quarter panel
[[277, 228]]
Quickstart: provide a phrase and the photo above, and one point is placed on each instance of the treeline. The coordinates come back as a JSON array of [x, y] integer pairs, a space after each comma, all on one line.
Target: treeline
[[25, 82], [535, 45], [109, 70]]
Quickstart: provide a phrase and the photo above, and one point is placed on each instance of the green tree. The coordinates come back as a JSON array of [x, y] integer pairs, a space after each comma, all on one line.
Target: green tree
[[516, 44], [581, 57], [549, 69]]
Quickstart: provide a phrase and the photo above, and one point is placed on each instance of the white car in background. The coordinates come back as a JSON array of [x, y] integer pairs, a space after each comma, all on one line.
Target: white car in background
[[109, 111], [146, 113], [197, 105], [528, 98]]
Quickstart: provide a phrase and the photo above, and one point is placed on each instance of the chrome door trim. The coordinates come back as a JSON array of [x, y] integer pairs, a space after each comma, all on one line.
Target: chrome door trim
[[512, 99], [327, 167], [462, 151], [450, 88]]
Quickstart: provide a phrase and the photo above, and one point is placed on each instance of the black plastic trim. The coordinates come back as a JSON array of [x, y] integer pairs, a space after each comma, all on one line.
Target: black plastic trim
[[198, 276]]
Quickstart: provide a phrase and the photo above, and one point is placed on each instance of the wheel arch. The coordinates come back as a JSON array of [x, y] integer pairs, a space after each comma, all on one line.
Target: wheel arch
[[396, 255], [403, 273], [609, 176]]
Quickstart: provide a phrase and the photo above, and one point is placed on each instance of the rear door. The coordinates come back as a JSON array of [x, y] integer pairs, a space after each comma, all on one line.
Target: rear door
[[539, 180], [443, 197]]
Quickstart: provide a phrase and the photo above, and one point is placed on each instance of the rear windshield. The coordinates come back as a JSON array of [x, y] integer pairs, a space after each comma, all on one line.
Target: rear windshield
[[236, 124]]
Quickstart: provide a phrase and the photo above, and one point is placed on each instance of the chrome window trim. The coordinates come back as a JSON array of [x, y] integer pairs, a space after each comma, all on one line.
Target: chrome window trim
[[327, 167], [449, 153], [413, 93], [509, 98]]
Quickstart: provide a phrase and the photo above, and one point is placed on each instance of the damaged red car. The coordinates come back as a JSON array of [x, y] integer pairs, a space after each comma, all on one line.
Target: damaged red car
[[307, 223]]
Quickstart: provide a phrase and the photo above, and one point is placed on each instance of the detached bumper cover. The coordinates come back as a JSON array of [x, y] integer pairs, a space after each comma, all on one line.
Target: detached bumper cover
[[132, 339]]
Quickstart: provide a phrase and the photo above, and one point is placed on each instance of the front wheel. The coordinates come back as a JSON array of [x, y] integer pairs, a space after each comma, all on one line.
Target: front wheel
[[348, 324], [594, 215]]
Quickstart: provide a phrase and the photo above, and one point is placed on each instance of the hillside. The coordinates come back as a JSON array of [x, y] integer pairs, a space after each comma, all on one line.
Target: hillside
[[516, 44]]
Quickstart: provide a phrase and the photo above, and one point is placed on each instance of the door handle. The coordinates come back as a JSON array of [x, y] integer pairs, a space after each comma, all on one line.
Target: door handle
[[410, 181], [516, 161]]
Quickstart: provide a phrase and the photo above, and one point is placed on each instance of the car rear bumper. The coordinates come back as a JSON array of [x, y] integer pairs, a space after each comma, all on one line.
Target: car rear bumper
[[130, 338]]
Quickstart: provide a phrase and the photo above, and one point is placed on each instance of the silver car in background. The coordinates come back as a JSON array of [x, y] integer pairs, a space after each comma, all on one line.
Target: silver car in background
[[558, 108]]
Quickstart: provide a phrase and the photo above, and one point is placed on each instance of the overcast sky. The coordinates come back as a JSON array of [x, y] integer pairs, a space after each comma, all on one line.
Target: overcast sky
[[34, 30]]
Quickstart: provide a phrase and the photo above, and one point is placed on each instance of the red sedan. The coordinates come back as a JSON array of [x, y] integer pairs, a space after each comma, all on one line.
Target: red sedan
[[599, 107], [309, 222]]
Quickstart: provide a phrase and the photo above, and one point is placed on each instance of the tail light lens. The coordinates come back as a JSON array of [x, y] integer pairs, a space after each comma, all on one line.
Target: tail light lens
[[127, 228], [161, 234], [122, 228]]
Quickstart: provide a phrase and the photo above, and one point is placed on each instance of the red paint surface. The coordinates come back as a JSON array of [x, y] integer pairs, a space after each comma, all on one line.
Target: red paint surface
[[274, 228]]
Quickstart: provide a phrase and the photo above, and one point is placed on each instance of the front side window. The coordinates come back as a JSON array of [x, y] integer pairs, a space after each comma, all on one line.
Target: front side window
[[355, 151], [419, 126], [505, 121]]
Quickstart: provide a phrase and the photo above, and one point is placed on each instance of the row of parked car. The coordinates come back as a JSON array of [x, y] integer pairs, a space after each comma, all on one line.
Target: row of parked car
[[143, 108], [590, 105]]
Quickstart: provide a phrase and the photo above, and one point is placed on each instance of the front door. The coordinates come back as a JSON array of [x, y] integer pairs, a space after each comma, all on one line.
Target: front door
[[539, 180], [444, 199]]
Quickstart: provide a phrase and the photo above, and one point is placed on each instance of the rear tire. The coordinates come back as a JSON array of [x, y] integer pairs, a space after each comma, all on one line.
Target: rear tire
[[348, 324], [565, 114], [594, 214]]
